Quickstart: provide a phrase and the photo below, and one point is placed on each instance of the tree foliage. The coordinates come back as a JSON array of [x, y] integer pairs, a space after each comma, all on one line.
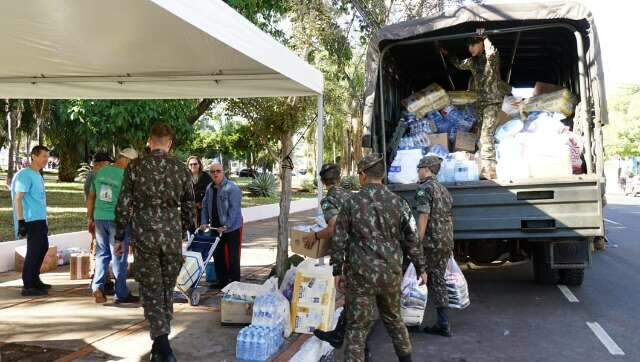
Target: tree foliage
[[126, 123], [622, 135]]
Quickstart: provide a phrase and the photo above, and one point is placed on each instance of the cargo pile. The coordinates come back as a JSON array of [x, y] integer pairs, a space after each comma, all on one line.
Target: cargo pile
[[536, 141], [533, 138], [437, 122]]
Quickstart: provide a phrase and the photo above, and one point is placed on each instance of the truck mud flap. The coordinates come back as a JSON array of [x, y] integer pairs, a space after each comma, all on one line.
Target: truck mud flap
[[570, 254]]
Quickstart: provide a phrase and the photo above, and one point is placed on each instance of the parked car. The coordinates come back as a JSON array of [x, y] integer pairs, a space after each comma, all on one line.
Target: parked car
[[247, 172]]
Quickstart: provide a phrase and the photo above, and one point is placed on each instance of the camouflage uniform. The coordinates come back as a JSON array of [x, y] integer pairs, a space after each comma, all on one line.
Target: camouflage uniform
[[433, 199], [157, 200], [486, 80], [331, 205], [373, 228]]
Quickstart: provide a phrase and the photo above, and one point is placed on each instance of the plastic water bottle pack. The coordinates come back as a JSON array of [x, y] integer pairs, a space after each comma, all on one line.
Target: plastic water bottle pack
[[258, 343]]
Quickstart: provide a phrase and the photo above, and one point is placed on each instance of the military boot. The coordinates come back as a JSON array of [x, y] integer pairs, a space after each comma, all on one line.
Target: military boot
[[441, 328], [405, 358], [335, 337]]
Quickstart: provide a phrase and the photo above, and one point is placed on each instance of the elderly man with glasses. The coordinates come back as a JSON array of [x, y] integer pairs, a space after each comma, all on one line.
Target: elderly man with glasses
[[221, 211]]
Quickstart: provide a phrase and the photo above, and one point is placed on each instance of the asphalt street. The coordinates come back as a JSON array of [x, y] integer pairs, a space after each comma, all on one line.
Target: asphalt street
[[513, 319]]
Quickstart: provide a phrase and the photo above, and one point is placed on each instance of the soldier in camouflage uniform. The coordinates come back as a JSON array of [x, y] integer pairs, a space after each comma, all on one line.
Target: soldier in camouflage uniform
[[331, 205], [484, 66], [435, 229], [157, 201], [373, 228]]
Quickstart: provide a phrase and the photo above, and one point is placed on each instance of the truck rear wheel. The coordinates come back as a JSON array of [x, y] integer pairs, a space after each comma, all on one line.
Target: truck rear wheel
[[572, 277]]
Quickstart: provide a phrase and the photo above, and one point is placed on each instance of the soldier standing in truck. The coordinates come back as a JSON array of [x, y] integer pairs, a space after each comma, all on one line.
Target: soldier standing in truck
[[484, 65]]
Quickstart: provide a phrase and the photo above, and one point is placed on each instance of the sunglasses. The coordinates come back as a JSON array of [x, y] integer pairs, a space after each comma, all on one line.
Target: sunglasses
[[216, 171]]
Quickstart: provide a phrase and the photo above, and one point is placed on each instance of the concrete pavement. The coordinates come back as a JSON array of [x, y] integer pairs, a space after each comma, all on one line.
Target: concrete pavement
[[68, 325]]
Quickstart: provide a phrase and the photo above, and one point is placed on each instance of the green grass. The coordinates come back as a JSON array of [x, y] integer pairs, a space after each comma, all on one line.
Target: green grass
[[66, 206], [66, 210]]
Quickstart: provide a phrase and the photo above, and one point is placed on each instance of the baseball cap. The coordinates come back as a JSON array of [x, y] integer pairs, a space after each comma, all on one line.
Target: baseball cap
[[129, 153]]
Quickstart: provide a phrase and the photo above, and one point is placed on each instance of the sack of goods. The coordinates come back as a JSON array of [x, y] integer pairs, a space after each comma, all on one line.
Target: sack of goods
[[561, 101], [540, 146], [460, 98], [429, 99], [457, 288], [413, 298], [314, 297]]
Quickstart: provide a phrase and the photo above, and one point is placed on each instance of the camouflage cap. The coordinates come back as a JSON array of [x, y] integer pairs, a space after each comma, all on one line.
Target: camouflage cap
[[369, 161], [429, 161]]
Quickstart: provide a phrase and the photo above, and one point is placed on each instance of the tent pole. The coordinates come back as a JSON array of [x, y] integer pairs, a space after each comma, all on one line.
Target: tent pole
[[320, 144], [319, 160]]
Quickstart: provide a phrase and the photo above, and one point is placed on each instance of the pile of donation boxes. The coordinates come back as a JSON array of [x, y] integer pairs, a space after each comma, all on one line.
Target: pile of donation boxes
[[533, 138], [304, 302]]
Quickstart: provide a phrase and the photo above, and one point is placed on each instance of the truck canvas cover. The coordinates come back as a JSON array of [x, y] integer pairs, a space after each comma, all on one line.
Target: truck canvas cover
[[491, 17]]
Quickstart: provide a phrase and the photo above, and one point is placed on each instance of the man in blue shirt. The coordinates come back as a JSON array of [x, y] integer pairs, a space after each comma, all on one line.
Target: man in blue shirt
[[30, 218]]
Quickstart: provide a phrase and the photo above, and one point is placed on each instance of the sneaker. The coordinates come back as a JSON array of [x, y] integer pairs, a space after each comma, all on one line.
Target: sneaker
[[99, 295], [129, 299], [34, 292], [44, 286], [437, 330]]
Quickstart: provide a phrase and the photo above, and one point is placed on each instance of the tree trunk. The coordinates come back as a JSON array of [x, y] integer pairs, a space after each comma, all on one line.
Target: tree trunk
[[285, 203], [14, 116], [68, 168]]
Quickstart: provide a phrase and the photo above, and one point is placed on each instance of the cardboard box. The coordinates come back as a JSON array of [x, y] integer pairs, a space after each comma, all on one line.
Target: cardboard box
[[320, 249], [439, 139], [235, 313], [313, 302], [543, 88], [50, 262], [503, 118], [79, 267], [466, 141]]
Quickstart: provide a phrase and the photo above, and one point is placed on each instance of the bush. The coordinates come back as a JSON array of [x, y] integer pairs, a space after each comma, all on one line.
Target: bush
[[264, 185], [308, 185], [350, 183], [83, 170]]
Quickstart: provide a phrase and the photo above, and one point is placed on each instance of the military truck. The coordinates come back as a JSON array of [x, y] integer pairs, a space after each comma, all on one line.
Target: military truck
[[550, 221]]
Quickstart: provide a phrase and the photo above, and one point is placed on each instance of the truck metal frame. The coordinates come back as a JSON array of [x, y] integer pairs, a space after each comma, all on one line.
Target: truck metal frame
[[551, 221]]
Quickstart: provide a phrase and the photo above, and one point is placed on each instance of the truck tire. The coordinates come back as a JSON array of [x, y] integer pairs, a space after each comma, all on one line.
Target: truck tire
[[572, 277]]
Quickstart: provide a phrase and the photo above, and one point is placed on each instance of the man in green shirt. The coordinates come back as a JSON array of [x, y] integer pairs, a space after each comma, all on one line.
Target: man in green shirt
[[101, 206]]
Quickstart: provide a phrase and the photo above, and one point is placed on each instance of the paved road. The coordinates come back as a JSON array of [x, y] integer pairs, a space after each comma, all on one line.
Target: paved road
[[513, 319]]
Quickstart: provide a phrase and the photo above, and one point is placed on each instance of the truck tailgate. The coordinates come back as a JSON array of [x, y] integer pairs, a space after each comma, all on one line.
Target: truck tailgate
[[530, 209]]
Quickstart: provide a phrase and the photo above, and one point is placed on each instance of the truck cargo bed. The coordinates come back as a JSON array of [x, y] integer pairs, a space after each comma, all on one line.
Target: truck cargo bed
[[529, 209]]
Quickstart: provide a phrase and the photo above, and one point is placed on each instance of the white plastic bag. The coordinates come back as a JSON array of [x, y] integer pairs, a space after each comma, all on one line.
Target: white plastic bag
[[314, 349], [403, 167], [509, 129], [456, 286], [511, 105], [413, 298]]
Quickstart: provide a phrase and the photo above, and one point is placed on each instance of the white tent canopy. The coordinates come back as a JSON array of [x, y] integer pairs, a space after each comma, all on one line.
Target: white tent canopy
[[137, 49], [145, 49]]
